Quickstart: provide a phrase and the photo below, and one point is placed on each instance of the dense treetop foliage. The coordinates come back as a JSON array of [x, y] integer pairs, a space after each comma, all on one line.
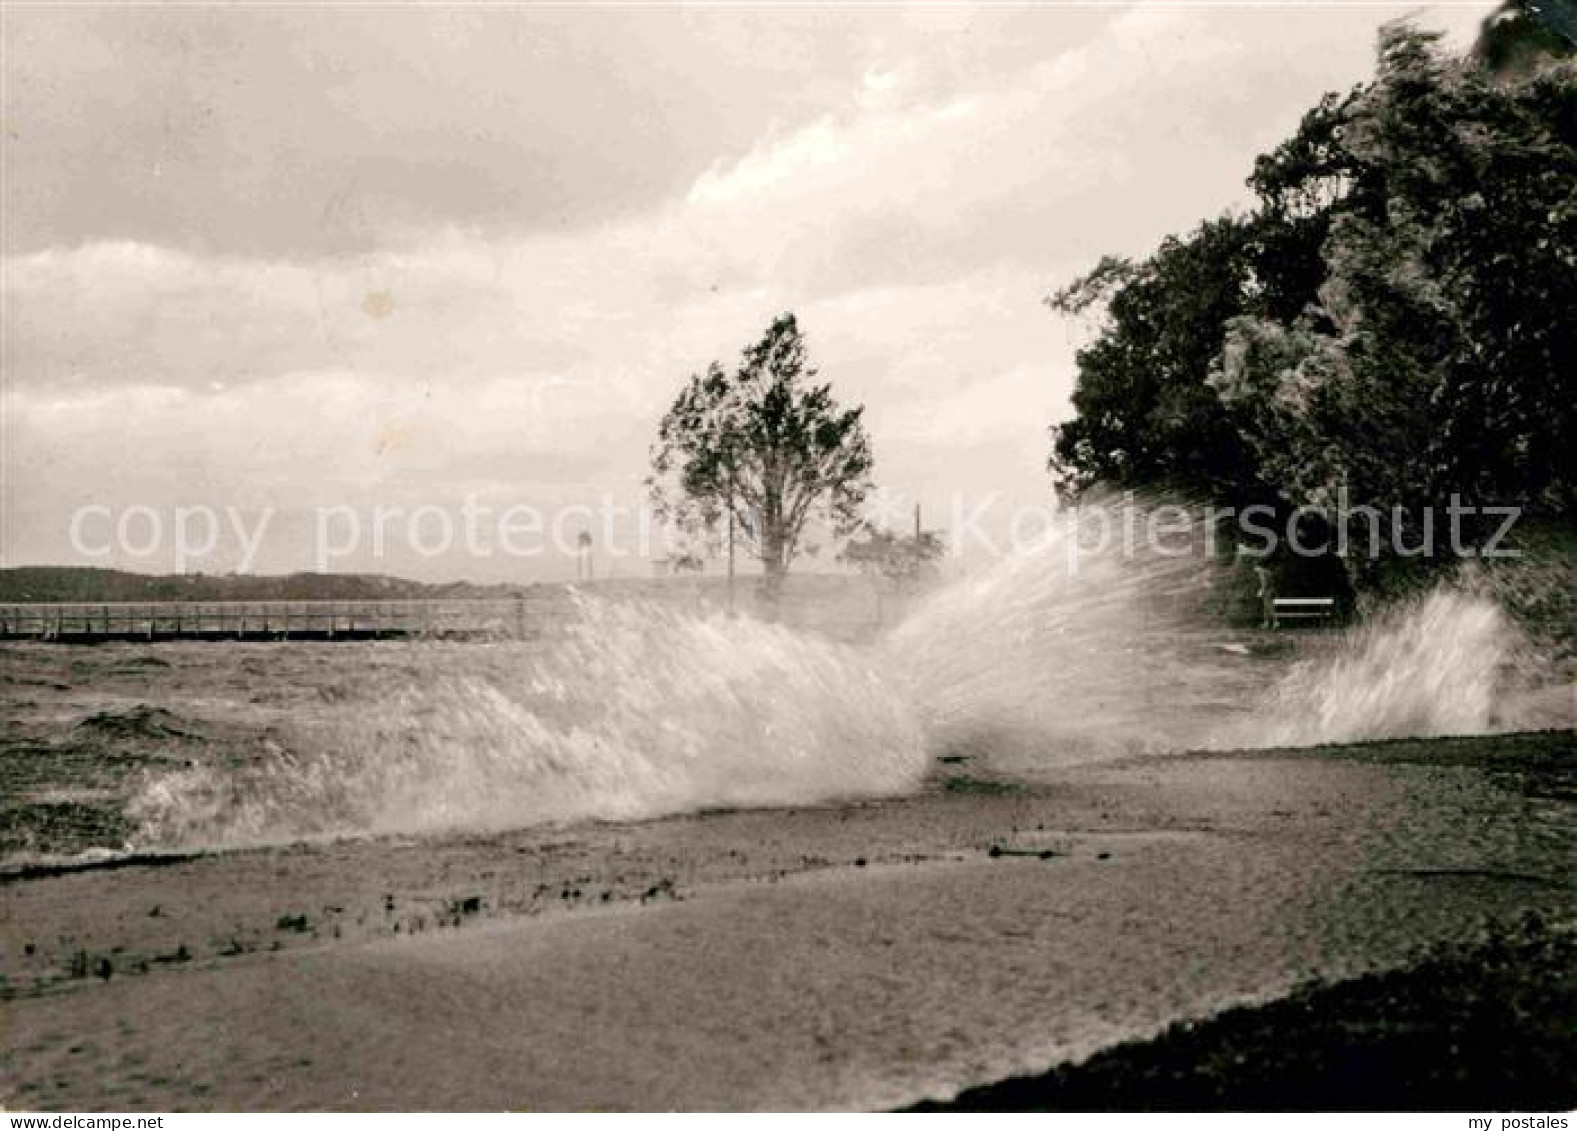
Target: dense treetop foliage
[[1394, 322], [765, 445]]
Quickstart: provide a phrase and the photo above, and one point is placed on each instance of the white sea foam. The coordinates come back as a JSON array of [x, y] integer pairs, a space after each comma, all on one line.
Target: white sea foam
[[1041, 660]]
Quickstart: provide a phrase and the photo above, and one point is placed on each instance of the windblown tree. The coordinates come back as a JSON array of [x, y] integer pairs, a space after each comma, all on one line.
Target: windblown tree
[[1393, 323], [903, 560], [1436, 355], [764, 446], [1145, 415], [1524, 35]]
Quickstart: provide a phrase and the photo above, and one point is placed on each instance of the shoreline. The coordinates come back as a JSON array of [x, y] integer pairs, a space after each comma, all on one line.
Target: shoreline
[[870, 955], [1464, 1029]]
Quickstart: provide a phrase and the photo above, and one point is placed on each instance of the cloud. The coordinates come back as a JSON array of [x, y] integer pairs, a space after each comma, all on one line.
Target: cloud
[[273, 254], [305, 131]]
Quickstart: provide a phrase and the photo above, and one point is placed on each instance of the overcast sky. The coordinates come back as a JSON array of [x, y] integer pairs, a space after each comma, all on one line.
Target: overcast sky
[[296, 258]]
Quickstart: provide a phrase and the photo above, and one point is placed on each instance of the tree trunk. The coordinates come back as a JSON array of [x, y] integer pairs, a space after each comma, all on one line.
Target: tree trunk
[[773, 547]]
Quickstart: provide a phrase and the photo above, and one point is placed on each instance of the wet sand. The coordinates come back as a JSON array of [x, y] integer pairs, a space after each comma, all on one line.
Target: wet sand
[[1478, 1028], [867, 955]]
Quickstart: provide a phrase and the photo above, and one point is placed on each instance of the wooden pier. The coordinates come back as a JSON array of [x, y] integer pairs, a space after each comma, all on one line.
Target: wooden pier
[[89, 622]]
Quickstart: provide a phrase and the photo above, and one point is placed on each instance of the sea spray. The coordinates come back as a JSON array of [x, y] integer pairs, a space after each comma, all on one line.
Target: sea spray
[[1448, 663], [1091, 644], [1095, 641], [637, 711], [1101, 640]]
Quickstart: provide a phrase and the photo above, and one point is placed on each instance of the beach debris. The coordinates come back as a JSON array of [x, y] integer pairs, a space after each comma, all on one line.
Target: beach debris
[[997, 850], [658, 890], [959, 783], [179, 954]]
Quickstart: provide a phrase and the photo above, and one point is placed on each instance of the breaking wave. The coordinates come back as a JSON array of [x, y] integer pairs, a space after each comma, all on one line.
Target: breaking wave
[[1066, 652]]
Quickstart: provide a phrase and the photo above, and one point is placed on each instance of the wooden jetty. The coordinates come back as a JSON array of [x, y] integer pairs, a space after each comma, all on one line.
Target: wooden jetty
[[92, 622]]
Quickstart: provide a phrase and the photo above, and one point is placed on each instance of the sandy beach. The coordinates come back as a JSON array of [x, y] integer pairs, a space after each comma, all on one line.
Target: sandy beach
[[865, 955]]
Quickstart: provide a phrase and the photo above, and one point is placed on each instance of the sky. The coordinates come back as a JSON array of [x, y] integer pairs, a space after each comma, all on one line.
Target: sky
[[406, 289]]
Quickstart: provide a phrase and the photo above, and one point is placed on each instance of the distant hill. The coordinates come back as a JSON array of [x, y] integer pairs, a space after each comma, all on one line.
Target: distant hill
[[75, 583]]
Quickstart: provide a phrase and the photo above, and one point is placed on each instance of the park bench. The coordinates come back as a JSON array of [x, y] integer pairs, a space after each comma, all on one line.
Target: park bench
[[1301, 608]]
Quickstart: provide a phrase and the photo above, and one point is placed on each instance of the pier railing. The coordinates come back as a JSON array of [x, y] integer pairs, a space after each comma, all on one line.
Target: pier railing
[[262, 620]]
